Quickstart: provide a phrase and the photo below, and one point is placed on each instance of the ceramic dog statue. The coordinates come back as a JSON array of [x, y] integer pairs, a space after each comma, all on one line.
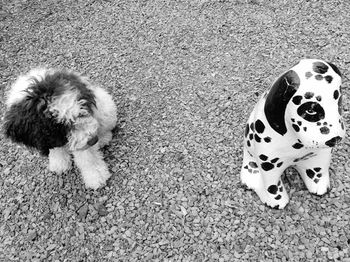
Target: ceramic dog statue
[[295, 123]]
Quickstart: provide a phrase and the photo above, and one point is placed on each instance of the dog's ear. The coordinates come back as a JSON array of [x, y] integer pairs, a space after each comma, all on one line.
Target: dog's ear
[[277, 99], [336, 69], [27, 124]]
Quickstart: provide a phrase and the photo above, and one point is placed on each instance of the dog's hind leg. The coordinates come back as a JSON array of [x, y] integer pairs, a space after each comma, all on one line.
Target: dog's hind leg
[[93, 168]]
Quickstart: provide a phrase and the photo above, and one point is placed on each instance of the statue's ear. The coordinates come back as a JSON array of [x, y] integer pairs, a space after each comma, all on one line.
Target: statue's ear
[[336, 69], [277, 99]]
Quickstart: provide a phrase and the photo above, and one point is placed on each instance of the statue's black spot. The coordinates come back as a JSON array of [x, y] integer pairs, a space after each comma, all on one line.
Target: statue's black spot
[[272, 189], [336, 94], [340, 104], [263, 157], [246, 131], [329, 79], [253, 165], [336, 70], [252, 127], [278, 197], [311, 111], [332, 142], [319, 67], [308, 95], [324, 130], [310, 173], [274, 160], [319, 77], [308, 75], [267, 139], [297, 99], [296, 128], [257, 138], [267, 166], [259, 126], [297, 145]]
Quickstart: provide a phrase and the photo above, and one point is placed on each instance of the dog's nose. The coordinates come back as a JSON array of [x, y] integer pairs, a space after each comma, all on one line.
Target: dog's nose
[[332, 142], [92, 141]]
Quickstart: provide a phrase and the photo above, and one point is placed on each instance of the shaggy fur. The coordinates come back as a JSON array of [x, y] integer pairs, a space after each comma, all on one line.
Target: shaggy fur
[[59, 113]]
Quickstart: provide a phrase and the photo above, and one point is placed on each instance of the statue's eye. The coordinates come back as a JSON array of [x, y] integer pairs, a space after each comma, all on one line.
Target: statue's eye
[[311, 111]]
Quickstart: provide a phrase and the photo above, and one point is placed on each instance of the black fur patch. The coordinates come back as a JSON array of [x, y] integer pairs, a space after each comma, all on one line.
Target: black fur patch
[[276, 102], [58, 82], [28, 124]]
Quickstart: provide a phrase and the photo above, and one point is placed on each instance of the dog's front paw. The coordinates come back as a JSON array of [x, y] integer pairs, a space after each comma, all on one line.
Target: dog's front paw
[[59, 167], [274, 196], [59, 161], [105, 139], [97, 179]]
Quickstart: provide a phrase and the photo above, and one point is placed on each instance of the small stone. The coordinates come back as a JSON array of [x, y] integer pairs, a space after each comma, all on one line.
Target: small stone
[[102, 210], [83, 211], [32, 235]]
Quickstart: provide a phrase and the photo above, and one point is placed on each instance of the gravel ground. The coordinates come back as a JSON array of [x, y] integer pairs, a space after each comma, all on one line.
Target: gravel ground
[[185, 75]]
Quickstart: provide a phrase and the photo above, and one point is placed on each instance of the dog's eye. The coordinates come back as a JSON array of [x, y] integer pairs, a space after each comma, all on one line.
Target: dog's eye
[[83, 114]]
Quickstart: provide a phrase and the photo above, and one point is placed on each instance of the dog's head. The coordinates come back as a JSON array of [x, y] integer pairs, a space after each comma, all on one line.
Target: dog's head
[[306, 100], [51, 109]]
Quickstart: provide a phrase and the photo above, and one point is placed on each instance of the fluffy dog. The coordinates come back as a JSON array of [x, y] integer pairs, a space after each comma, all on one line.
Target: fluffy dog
[[295, 123], [60, 113]]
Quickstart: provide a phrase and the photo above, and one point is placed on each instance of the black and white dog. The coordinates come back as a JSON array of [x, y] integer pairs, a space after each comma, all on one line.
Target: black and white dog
[[60, 113]]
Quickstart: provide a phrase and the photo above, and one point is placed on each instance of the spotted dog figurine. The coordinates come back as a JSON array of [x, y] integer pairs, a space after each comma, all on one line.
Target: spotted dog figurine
[[296, 123]]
